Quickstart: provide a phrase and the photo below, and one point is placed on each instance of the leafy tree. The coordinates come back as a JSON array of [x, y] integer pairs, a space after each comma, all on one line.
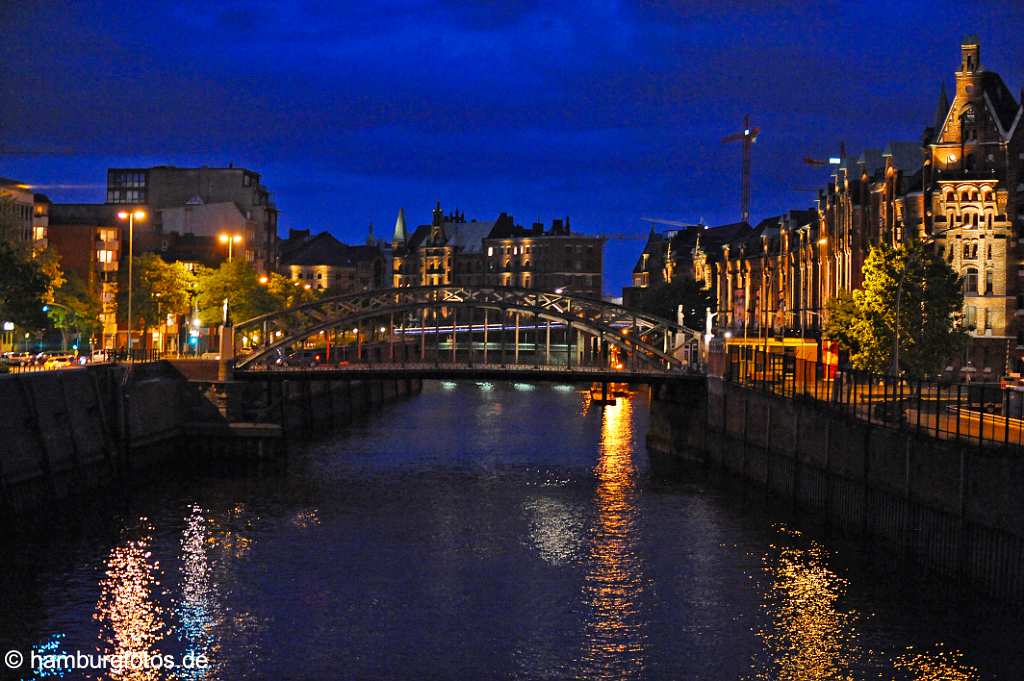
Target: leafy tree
[[159, 288], [49, 264], [77, 309], [663, 299], [289, 293], [239, 283], [841, 321], [930, 320], [23, 288]]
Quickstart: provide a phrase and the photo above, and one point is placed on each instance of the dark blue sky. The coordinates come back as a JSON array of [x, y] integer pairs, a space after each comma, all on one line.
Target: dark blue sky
[[605, 111]]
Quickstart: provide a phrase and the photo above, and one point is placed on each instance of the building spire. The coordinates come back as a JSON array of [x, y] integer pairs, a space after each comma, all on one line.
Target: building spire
[[370, 240], [941, 110], [399, 237]]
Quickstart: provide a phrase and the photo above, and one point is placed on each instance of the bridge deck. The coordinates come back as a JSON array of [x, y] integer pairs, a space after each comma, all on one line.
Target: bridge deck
[[498, 372]]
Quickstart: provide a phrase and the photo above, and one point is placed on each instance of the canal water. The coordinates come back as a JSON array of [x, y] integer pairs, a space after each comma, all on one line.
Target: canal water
[[483, 531]]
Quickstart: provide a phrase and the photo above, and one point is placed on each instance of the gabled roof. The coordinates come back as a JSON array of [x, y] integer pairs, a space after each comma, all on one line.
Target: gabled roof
[[324, 249], [723, 233], [467, 237], [999, 99]]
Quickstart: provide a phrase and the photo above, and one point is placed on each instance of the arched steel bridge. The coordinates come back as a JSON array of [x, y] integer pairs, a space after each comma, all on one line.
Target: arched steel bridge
[[451, 330]]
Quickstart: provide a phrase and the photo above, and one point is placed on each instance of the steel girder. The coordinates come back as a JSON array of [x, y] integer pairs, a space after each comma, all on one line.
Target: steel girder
[[649, 337]]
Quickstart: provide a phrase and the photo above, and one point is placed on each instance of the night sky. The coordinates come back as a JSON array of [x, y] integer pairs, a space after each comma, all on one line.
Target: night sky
[[603, 111]]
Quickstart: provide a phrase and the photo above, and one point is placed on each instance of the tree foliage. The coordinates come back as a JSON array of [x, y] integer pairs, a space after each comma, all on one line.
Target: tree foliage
[[930, 319], [159, 288], [237, 282], [662, 300], [24, 287], [77, 308]]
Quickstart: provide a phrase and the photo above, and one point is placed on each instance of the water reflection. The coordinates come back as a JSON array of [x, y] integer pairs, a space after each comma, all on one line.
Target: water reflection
[[615, 629], [937, 664], [131, 620], [808, 636], [196, 608], [555, 529]]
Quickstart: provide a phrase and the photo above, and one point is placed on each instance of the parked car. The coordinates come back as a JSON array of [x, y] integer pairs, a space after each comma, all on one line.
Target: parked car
[[58, 362], [299, 358], [19, 359], [99, 356]]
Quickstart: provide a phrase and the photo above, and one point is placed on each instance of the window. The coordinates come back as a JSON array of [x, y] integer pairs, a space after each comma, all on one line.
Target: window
[[970, 316], [988, 282], [490, 251], [105, 256], [970, 280]]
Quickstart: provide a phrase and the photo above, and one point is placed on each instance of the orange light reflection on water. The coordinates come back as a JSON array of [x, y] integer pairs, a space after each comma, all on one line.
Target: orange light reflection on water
[[615, 630], [131, 620]]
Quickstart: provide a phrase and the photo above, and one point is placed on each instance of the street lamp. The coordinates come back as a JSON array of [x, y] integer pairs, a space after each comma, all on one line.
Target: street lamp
[[230, 240], [131, 216]]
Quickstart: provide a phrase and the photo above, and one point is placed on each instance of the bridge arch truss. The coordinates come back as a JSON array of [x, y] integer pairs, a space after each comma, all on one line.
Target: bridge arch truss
[[407, 315]]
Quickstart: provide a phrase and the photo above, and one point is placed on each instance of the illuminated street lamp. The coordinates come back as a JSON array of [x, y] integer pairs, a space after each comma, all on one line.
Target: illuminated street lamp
[[230, 240], [264, 279], [131, 217]]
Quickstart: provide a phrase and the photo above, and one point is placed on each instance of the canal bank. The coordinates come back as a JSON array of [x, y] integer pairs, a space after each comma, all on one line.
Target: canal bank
[[71, 432], [955, 510]]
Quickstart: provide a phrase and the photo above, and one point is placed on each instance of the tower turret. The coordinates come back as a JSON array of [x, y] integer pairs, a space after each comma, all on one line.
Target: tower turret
[[399, 235]]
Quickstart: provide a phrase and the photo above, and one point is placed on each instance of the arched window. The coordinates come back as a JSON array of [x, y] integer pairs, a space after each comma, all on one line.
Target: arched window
[[970, 280], [965, 195], [950, 196]]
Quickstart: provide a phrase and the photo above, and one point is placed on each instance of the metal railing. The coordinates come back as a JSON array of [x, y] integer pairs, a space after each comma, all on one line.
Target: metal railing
[[983, 414], [61, 361]]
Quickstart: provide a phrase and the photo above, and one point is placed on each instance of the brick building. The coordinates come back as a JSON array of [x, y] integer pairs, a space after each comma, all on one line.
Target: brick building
[[959, 188], [454, 251]]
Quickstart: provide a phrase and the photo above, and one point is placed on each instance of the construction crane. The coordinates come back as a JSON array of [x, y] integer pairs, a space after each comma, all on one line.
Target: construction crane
[[674, 223], [52, 151], [832, 160], [747, 136], [622, 236]]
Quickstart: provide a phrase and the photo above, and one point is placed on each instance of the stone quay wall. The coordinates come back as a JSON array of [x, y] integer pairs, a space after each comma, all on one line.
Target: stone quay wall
[[72, 432], [954, 510]]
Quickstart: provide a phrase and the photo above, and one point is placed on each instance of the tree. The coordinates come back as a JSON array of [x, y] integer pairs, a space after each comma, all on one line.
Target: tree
[[237, 282], [77, 309], [930, 322], [289, 293], [159, 288], [841, 321], [23, 289], [663, 299]]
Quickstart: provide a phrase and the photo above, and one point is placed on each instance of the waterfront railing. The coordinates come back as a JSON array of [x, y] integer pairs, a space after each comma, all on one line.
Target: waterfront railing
[[982, 413]]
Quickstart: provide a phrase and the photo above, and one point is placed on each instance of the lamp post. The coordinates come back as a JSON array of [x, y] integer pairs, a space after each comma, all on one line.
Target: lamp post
[[131, 216], [230, 240]]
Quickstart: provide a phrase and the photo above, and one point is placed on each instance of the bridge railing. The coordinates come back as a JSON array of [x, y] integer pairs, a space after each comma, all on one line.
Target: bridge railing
[[456, 368], [983, 414]]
